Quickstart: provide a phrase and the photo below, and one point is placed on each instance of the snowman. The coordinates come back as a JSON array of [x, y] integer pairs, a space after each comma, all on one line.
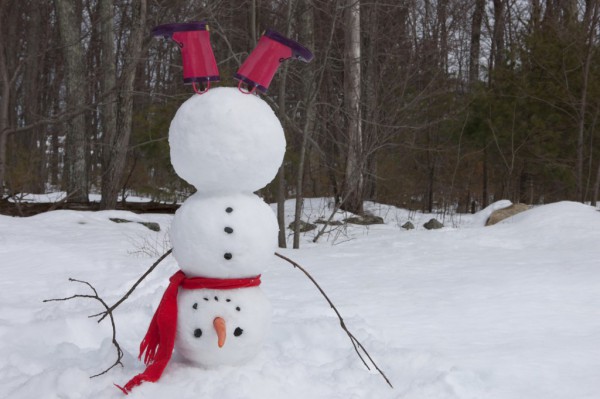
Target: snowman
[[227, 143], [224, 231]]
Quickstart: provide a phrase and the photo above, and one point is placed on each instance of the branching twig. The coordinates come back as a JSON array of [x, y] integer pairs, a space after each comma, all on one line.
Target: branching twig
[[109, 309], [108, 312], [322, 231], [355, 343]]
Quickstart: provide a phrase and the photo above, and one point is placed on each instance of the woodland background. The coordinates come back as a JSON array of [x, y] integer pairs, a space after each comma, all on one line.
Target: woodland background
[[417, 103]]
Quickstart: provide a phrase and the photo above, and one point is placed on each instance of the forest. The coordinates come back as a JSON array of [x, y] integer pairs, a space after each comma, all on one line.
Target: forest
[[429, 105]]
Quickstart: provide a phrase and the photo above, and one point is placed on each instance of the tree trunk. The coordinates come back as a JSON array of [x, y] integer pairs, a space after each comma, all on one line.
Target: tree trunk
[[485, 192], [310, 88], [108, 86], [281, 206], [3, 144], [252, 23], [4, 108], [496, 61], [596, 188], [33, 142], [474, 50], [590, 24], [353, 195], [281, 173], [117, 147], [54, 159], [498, 34], [371, 103], [430, 186], [75, 146]]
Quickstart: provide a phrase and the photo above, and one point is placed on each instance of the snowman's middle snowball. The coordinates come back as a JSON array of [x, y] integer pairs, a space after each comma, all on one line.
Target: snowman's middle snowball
[[224, 236]]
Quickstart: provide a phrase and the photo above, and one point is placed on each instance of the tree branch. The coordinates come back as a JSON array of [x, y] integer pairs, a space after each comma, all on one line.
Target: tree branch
[[335, 209], [109, 309], [108, 312], [355, 343]]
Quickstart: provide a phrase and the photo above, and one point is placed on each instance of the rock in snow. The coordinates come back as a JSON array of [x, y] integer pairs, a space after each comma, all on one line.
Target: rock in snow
[[500, 214], [433, 224]]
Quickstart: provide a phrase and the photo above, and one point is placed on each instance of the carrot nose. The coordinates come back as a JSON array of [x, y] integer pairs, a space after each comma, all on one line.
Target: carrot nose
[[221, 329]]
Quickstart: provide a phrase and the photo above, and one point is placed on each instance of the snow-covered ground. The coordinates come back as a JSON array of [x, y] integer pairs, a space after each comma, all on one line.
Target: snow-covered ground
[[510, 311], [61, 195]]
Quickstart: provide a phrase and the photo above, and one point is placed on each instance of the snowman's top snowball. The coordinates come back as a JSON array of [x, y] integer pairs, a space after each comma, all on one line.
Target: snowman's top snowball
[[225, 140]]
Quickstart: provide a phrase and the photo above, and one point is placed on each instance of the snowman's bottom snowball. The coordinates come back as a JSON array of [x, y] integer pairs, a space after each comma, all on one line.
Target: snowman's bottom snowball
[[247, 315]]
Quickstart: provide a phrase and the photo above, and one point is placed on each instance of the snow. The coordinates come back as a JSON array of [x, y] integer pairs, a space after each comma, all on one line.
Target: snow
[[507, 311], [61, 195], [224, 140]]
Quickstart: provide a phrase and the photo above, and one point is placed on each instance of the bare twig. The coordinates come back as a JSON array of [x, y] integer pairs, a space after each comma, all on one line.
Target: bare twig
[[355, 343], [336, 208], [108, 312], [109, 309]]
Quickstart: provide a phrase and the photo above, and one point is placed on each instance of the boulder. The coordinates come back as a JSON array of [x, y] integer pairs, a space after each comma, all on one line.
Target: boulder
[[504, 213], [433, 224], [304, 226], [150, 225], [364, 220], [408, 226], [329, 223], [119, 220]]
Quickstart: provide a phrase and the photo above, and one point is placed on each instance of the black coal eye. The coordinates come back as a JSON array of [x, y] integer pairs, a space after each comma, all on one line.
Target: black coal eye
[[197, 333], [238, 308], [195, 306], [238, 331]]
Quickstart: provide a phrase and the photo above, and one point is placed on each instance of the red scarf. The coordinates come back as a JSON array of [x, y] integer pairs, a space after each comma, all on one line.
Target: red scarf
[[160, 338]]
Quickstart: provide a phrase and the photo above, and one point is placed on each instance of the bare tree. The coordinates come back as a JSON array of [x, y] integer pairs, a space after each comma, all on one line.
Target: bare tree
[[590, 23], [116, 146], [6, 81], [498, 33], [596, 189], [76, 142], [474, 51], [108, 81], [282, 108], [310, 93], [354, 180], [390, 139]]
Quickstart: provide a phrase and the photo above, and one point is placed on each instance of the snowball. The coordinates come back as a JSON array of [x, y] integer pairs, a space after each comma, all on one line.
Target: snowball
[[224, 139], [247, 315], [224, 236]]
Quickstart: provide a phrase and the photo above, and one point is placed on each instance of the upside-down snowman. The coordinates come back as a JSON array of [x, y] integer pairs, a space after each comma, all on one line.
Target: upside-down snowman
[[228, 143]]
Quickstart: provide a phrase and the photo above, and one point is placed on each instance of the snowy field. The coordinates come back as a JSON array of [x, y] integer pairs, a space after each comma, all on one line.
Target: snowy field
[[61, 195], [510, 311]]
